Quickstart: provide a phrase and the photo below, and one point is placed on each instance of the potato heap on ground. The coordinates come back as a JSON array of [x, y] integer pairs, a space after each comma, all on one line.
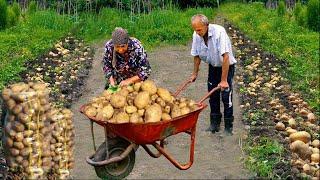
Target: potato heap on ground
[[301, 134], [30, 129], [142, 102]]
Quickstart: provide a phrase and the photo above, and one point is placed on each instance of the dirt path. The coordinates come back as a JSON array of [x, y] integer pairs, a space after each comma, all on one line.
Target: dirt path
[[216, 156]]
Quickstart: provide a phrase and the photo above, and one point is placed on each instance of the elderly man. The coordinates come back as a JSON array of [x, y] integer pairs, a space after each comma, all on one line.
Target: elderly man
[[212, 45], [125, 60]]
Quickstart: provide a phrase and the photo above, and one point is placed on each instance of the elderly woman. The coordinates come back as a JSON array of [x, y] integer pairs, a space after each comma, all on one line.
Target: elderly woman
[[125, 60]]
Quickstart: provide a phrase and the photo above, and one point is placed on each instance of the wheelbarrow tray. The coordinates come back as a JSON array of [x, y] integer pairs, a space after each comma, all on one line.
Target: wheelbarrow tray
[[148, 133]]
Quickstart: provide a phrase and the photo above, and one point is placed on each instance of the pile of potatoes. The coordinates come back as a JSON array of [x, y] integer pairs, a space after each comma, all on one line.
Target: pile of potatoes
[[143, 102], [31, 131], [306, 153]]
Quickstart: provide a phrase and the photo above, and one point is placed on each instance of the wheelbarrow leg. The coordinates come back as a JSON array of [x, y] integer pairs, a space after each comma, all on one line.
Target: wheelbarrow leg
[[92, 134], [173, 161], [145, 147]]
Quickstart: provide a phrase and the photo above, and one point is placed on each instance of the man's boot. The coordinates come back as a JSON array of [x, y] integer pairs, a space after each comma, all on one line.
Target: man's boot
[[228, 126], [215, 121]]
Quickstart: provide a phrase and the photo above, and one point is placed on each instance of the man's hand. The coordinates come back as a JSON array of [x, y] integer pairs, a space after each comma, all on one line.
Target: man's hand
[[193, 77], [223, 85]]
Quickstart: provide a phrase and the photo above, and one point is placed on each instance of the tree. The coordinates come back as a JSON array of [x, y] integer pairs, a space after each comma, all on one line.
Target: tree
[[3, 14]]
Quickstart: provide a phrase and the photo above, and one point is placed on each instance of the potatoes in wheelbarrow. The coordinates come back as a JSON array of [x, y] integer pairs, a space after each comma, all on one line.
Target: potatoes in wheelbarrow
[[143, 102]]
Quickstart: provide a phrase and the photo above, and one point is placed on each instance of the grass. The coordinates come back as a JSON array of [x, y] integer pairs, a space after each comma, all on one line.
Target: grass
[[170, 26], [37, 33], [28, 40], [264, 154], [287, 40]]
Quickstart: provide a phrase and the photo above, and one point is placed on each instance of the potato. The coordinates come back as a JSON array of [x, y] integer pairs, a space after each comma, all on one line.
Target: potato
[[11, 104], [181, 100], [292, 123], [315, 143], [315, 158], [130, 102], [300, 135], [18, 127], [131, 109], [122, 117], [14, 151], [9, 142], [117, 100], [17, 109], [19, 87], [142, 99], [19, 159], [154, 97], [311, 117], [280, 126], [165, 117], [167, 109], [6, 93], [19, 137], [175, 112], [153, 113], [27, 141], [108, 111], [130, 89], [135, 118], [141, 112], [291, 131], [18, 145], [123, 92], [90, 111], [12, 133], [315, 150], [164, 94], [39, 86], [137, 86], [161, 102], [191, 103], [149, 86], [301, 149], [23, 118], [185, 110], [182, 105], [306, 168]]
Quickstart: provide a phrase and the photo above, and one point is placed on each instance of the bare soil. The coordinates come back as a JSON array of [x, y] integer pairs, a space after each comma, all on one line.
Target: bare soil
[[216, 156]]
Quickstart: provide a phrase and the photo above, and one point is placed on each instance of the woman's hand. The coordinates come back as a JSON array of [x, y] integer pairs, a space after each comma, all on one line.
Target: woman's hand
[[125, 82], [112, 82], [129, 81]]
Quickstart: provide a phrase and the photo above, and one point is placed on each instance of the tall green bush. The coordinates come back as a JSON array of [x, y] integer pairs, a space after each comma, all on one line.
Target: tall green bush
[[16, 9], [32, 8], [302, 17], [297, 9], [12, 18], [281, 9], [313, 18], [3, 14]]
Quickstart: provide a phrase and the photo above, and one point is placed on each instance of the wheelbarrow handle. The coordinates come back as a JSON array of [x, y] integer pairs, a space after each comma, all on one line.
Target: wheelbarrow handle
[[209, 94], [182, 87]]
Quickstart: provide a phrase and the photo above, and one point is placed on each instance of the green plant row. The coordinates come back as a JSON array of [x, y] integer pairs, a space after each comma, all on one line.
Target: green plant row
[[283, 37]]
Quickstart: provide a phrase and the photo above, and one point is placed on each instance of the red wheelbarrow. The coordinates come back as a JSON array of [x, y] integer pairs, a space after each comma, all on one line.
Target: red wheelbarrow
[[115, 158]]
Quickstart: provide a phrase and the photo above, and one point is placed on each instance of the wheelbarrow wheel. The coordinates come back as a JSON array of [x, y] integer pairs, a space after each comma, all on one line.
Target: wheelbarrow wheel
[[117, 170]]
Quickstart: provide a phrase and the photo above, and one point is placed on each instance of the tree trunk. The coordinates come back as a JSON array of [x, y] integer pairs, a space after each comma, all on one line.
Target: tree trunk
[[271, 4], [290, 4]]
